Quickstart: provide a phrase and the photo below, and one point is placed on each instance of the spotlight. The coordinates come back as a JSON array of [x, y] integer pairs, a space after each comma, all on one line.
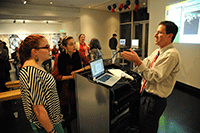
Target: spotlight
[[25, 2], [14, 21], [47, 22], [51, 2], [24, 21]]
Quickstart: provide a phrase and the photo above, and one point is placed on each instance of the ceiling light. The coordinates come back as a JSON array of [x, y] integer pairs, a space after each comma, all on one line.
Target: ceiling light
[[51, 2], [25, 2], [89, 6]]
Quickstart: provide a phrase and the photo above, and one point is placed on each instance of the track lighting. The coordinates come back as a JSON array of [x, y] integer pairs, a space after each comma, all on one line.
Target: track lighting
[[24, 21], [51, 2], [25, 2], [14, 21]]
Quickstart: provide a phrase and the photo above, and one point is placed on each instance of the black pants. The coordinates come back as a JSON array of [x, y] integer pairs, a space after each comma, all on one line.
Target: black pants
[[151, 108], [68, 116]]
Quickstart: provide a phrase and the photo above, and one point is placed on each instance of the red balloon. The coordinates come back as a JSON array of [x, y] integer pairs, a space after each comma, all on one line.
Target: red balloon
[[128, 7], [137, 6], [121, 6], [113, 10]]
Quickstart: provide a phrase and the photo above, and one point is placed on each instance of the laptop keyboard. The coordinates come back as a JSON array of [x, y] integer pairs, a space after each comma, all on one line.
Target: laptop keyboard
[[104, 78]]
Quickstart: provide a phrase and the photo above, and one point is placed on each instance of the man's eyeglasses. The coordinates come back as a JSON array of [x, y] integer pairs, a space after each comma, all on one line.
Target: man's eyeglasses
[[46, 47]]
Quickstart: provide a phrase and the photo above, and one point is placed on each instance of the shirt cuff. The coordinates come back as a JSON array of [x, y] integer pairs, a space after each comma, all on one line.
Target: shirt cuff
[[142, 67]]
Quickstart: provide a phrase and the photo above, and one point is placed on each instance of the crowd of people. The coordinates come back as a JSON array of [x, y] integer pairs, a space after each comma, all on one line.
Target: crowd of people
[[42, 89], [48, 93]]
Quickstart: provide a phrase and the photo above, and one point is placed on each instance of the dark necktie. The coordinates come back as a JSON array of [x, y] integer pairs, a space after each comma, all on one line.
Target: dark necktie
[[144, 81]]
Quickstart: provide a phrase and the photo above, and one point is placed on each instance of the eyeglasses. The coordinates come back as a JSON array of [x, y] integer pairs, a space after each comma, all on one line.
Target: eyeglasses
[[46, 47], [71, 44]]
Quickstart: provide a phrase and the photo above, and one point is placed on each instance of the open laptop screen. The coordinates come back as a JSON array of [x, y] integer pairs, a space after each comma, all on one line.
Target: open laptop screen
[[97, 67]]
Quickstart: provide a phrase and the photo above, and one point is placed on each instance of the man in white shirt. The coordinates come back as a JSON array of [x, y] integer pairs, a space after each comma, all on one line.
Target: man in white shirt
[[159, 73]]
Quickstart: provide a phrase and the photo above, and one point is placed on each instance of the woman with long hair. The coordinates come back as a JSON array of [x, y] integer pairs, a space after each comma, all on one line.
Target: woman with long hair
[[38, 88], [65, 67]]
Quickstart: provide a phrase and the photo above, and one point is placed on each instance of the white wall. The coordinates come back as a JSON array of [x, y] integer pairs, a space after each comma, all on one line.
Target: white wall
[[190, 57], [72, 28], [100, 25], [20, 28]]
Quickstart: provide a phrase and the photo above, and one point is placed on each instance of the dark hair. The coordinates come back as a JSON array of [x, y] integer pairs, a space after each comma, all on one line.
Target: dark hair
[[65, 40], [94, 43], [30, 42], [4, 43], [1, 45], [171, 27], [114, 35], [80, 36]]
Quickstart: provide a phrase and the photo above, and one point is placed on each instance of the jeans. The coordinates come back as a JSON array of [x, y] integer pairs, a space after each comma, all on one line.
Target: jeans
[[58, 127], [114, 55]]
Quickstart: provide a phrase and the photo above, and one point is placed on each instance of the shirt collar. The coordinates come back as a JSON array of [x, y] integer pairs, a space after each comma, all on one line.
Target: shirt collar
[[165, 48]]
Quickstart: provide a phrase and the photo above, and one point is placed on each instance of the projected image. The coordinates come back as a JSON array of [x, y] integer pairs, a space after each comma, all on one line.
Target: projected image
[[186, 15], [191, 24]]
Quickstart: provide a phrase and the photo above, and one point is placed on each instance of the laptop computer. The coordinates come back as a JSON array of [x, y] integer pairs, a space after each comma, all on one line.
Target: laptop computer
[[99, 74]]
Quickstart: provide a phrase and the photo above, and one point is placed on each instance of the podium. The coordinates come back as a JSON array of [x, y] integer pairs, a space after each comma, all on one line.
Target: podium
[[103, 109]]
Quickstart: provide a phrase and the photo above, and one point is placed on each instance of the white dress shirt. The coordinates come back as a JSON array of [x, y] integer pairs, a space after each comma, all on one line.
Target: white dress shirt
[[161, 78]]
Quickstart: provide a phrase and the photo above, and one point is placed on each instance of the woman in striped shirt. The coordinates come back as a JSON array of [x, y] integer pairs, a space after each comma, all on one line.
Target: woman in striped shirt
[[38, 88]]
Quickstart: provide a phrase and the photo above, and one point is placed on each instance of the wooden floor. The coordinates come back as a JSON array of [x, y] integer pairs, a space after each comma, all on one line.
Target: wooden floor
[[181, 115]]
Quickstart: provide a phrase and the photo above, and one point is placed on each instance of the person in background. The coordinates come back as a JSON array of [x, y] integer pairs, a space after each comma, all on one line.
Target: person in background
[[38, 88], [7, 60], [65, 67], [47, 65], [54, 52], [61, 49], [15, 56], [159, 72], [113, 46], [95, 48], [4, 70], [81, 46]]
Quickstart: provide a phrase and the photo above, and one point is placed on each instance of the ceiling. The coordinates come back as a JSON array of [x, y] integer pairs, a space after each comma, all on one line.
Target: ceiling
[[75, 4]]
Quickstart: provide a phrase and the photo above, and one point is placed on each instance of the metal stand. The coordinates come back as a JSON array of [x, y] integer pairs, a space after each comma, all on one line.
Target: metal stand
[[123, 64]]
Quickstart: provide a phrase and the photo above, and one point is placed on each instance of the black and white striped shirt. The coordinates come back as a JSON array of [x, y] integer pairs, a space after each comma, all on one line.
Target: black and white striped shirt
[[39, 88]]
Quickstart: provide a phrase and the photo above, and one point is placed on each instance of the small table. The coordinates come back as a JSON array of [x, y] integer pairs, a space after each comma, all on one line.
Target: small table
[[9, 95]]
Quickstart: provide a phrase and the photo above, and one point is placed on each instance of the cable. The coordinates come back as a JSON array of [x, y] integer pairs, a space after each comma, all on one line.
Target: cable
[[112, 57]]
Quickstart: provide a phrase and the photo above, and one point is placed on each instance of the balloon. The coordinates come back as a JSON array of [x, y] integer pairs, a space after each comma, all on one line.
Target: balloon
[[120, 9], [128, 2], [113, 10], [121, 6], [125, 7], [109, 7], [128, 7], [136, 2], [114, 6], [137, 6]]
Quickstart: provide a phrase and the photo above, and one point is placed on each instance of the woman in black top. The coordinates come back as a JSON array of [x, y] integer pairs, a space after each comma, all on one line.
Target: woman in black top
[[65, 67]]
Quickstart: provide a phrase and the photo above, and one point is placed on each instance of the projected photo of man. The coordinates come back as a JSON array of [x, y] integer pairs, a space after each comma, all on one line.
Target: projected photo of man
[[191, 24]]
